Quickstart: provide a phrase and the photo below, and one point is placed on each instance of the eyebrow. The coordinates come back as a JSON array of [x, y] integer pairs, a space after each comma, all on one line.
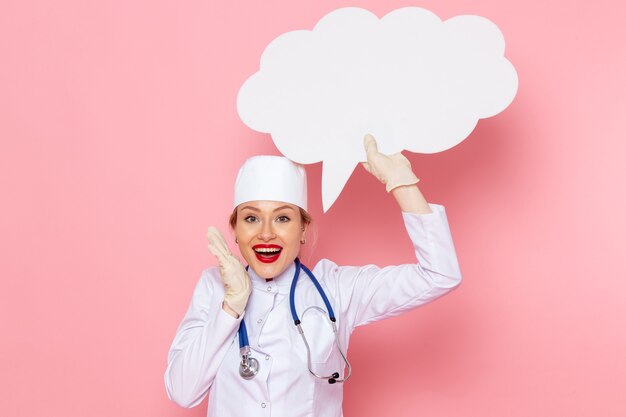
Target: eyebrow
[[283, 207], [257, 210]]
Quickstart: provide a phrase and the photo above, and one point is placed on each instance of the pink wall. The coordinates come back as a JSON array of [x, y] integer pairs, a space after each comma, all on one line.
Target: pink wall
[[120, 142]]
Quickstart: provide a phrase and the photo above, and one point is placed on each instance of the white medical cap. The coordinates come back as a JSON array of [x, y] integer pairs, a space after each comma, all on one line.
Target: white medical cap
[[273, 178]]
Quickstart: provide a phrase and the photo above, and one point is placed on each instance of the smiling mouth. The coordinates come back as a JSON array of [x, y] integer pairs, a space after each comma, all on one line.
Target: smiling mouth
[[267, 253]]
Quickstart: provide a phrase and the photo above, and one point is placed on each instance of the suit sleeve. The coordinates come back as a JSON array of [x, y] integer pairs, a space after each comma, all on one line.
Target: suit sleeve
[[201, 342], [370, 293]]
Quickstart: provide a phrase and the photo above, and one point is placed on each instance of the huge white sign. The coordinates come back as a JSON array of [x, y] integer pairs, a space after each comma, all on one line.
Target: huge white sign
[[409, 79]]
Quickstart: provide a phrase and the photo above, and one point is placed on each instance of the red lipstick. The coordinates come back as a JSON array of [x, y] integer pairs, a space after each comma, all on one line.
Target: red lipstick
[[267, 253]]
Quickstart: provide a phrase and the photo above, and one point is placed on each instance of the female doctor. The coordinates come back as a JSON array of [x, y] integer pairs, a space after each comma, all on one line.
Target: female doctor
[[271, 339]]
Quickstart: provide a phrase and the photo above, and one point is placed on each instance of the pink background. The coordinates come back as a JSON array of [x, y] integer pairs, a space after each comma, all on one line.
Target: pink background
[[120, 143]]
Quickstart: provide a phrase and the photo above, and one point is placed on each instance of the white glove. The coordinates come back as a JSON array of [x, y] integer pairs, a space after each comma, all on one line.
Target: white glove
[[237, 285], [392, 170]]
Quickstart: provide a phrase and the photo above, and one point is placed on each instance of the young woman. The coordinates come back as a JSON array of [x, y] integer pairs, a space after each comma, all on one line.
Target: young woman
[[271, 339]]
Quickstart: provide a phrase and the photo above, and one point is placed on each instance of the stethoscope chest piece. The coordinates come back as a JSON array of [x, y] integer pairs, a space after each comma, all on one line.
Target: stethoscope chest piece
[[248, 367]]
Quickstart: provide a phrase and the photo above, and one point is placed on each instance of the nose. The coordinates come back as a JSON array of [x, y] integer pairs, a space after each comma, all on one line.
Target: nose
[[267, 233]]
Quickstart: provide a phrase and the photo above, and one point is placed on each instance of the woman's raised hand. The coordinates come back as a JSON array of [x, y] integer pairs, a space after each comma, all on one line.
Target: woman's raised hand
[[237, 285], [392, 170]]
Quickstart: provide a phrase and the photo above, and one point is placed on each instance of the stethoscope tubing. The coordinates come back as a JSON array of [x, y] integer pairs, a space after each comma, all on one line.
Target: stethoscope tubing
[[243, 335], [292, 293], [249, 366]]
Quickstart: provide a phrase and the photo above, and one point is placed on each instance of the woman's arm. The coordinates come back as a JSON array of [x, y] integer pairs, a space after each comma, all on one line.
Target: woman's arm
[[411, 200], [209, 326], [370, 293], [201, 343]]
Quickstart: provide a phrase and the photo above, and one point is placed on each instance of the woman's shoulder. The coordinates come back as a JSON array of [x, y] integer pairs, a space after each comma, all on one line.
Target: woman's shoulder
[[328, 265], [324, 266], [329, 271]]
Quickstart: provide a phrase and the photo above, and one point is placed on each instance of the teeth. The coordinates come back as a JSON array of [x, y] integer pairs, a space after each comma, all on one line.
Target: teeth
[[267, 250]]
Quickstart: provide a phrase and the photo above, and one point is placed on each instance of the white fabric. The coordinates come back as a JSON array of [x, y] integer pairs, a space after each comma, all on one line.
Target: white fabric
[[273, 178], [205, 352]]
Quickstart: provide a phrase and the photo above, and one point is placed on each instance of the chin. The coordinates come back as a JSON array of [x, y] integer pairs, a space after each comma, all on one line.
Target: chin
[[268, 271]]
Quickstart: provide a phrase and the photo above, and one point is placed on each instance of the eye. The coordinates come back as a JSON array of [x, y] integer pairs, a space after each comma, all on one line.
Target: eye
[[250, 219], [282, 219]]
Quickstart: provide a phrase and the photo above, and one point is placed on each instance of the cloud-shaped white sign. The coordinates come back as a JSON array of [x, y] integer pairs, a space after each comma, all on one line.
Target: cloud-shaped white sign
[[409, 79]]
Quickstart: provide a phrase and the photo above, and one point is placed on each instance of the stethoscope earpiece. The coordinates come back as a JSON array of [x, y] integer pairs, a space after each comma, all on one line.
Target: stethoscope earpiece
[[334, 378]]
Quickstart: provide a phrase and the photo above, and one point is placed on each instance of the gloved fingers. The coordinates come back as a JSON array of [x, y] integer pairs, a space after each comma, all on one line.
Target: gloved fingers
[[234, 262], [366, 165], [400, 158], [217, 245], [218, 238], [221, 259], [214, 250], [371, 148], [377, 161]]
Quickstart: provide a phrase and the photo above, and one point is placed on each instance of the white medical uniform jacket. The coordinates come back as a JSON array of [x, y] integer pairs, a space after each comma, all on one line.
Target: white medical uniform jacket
[[204, 356]]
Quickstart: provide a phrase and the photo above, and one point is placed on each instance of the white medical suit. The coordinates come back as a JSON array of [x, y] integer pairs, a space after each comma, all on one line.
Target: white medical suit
[[204, 356]]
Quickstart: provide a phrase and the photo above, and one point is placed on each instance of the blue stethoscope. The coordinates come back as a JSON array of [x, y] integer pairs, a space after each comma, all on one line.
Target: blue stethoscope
[[249, 367]]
